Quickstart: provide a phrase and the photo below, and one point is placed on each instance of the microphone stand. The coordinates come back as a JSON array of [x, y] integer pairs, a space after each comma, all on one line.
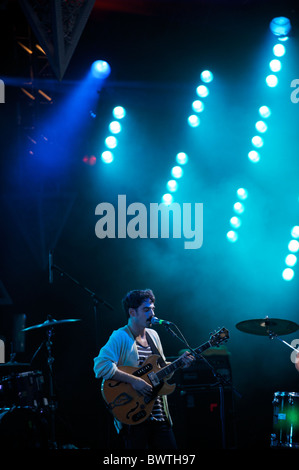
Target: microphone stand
[[221, 381], [96, 300]]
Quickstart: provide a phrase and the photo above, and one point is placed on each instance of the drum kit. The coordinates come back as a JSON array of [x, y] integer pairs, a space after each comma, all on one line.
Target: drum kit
[[285, 404], [27, 406]]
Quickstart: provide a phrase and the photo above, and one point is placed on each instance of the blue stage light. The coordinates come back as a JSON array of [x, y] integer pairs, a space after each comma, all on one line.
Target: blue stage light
[[295, 231], [279, 50], [291, 260], [100, 69], [198, 106], [242, 193], [261, 126], [115, 127], [280, 26], [235, 222], [271, 81], [275, 65], [107, 156], [264, 111], [239, 208], [177, 172], [206, 76], [254, 156], [202, 91], [111, 142], [181, 158], [232, 236], [257, 141], [193, 120], [288, 274], [167, 199], [119, 112], [172, 186], [293, 246]]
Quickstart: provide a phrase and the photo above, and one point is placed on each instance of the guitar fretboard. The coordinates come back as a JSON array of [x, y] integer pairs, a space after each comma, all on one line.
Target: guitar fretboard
[[167, 370]]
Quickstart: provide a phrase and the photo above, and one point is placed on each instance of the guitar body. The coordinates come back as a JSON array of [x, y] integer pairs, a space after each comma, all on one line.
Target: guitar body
[[126, 404], [129, 406]]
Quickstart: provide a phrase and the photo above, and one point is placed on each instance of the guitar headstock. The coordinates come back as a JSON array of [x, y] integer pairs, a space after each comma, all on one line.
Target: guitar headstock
[[219, 337]]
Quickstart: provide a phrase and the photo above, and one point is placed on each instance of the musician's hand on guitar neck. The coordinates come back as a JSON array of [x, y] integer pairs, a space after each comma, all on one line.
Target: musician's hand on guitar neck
[[187, 359]]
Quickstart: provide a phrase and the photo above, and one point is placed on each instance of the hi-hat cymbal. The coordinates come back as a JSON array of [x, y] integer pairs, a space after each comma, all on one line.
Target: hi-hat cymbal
[[267, 326], [50, 323]]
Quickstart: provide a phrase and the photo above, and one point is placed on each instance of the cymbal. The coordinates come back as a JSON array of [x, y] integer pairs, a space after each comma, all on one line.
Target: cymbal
[[50, 323], [266, 326]]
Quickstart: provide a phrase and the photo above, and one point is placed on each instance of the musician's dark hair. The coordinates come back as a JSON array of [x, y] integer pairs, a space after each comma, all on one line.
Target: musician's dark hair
[[135, 298]]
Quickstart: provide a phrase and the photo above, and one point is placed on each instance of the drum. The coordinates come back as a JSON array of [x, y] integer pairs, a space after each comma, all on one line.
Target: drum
[[23, 389], [285, 420], [22, 428]]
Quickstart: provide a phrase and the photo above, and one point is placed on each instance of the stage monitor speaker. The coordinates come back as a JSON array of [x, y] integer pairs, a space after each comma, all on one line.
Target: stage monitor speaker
[[203, 412]]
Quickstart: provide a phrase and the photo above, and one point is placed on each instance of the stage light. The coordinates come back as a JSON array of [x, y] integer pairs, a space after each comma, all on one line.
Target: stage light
[[257, 141], [264, 111], [167, 199], [198, 106], [280, 26], [275, 65], [206, 76], [111, 142], [261, 126], [232, 236], [193, 120], [100, 69], [254, 156], [293, 246], [291, 260], [119, 112], [242, 193], [107, 156], [177, 172], [202, 91], [272, 81], [279, 50], [172, 186], [181, 158], [235, 222], [239, 208], [115, 127], [295, 231], [288, 274]]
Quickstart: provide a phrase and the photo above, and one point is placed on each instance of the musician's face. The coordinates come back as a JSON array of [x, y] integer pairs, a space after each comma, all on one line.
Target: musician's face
[[142, 315]]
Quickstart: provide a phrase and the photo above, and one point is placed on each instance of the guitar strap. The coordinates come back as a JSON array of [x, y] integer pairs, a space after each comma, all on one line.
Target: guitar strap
[[154, 349]]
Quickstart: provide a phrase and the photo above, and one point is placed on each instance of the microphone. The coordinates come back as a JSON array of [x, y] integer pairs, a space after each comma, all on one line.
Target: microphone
[[157, 321], [50, 267]]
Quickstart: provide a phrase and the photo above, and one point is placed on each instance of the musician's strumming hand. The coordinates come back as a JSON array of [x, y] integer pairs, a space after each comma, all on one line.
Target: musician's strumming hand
[[142, 387]]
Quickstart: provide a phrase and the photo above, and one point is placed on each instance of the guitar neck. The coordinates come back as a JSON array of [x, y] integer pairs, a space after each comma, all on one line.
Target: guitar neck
[[167, 370]]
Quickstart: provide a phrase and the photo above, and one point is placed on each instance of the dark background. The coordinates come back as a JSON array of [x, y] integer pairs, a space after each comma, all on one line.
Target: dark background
[[156, 50]]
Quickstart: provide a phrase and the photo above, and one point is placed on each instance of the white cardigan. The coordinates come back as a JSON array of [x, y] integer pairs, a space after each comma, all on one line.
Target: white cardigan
[[121, 350]]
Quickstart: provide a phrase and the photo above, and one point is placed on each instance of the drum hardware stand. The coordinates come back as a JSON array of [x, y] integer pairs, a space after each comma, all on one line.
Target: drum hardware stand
[[52, 404], [274, 335]]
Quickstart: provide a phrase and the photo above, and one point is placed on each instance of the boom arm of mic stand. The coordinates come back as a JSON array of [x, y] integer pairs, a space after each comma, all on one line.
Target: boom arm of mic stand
[[95, 298]]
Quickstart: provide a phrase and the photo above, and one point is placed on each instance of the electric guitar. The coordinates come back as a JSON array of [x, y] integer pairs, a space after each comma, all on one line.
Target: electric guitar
[[129, 406]]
